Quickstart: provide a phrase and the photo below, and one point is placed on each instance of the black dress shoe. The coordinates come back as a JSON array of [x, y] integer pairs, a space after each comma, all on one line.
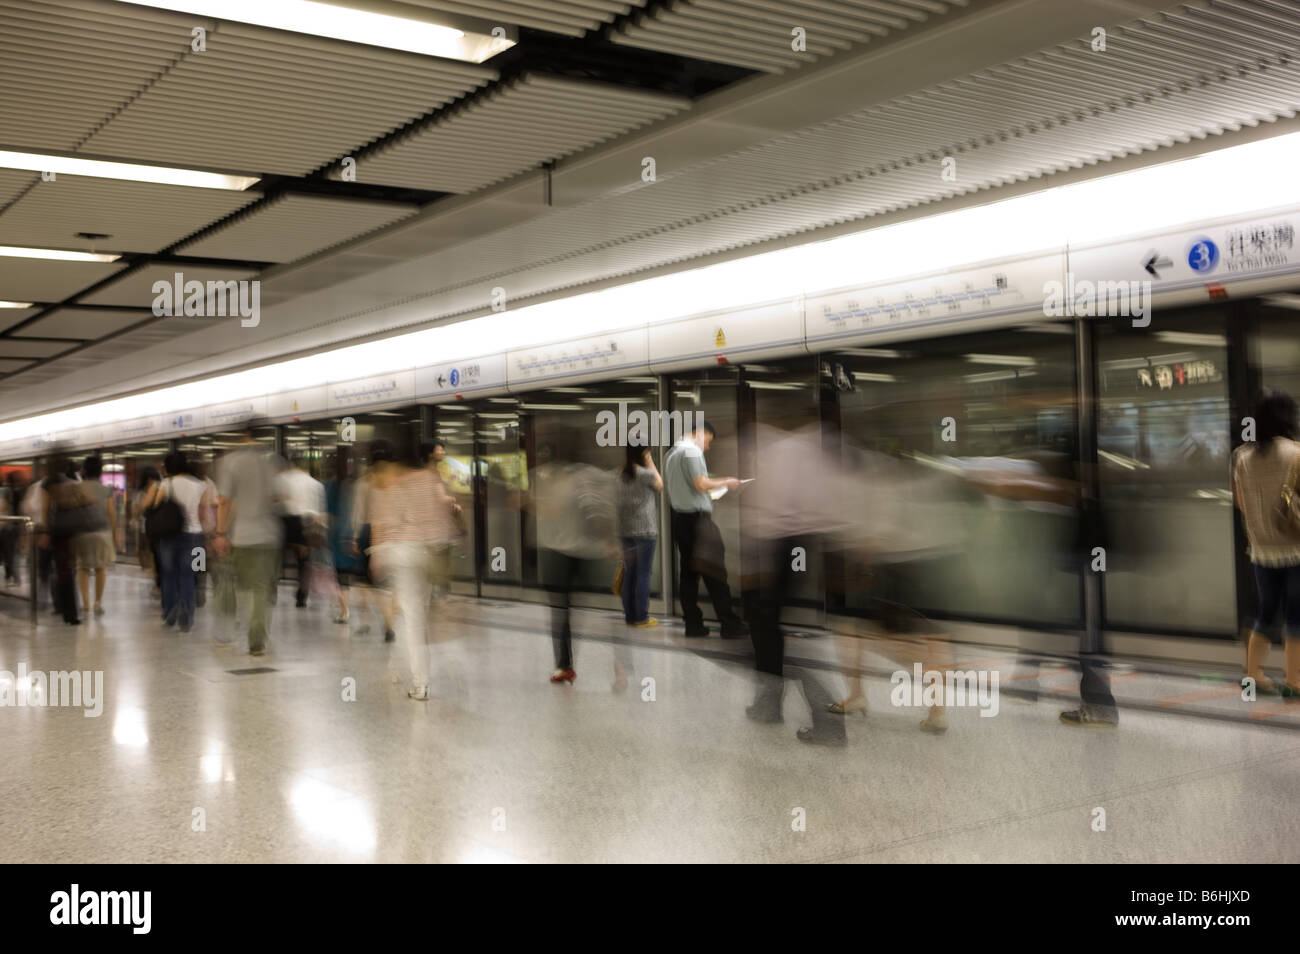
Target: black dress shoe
[[389, 636], [739, 632], [697, 633], [815, 737]]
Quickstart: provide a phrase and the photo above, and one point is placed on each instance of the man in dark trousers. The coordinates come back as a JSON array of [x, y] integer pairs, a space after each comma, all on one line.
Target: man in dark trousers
[[700, 551]]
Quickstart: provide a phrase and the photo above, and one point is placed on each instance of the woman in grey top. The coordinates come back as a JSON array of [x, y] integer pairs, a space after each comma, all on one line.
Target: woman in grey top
[[639, 484], [1262, 471]]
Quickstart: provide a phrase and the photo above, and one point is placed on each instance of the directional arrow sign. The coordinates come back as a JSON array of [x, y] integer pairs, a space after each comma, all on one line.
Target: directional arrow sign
[[442, 380], [1154, 261]]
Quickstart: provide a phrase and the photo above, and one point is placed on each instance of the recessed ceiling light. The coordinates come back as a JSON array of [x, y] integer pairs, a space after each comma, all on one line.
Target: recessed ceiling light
[[15, 304], [58, 254], [112, 169], [384, 24]]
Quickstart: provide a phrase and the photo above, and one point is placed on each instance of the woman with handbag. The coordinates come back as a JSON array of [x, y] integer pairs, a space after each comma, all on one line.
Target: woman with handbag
[[173, 507], [1264, 476]]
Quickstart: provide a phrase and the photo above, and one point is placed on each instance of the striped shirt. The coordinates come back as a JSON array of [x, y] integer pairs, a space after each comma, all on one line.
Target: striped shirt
[[414, 508]]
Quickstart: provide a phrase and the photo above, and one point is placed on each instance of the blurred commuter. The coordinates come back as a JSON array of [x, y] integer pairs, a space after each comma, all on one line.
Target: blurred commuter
[[638, 486], [146, 548], [34, 508], [69, 511], [700, 550], [96, 547], [339, 491], [576, 523], [448, 516], [302, 500], [361, 542], [249, 530], [410, 517], [1264, 480], [208, 523], [176, 549], [11, 497]]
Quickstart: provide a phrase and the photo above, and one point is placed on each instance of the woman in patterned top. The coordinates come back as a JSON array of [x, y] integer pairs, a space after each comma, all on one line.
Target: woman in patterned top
[[1262, 471]]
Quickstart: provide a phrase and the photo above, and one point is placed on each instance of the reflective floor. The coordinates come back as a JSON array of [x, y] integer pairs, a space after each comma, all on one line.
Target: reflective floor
[[191, 762]]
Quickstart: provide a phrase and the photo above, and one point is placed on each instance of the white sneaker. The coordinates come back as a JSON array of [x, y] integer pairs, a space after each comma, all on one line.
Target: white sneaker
[[419, 693]]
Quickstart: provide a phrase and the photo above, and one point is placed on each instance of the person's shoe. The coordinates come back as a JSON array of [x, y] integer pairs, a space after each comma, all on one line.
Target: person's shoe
[[765, 714], [845, 706], [301, 602], [341, 619], [259, 651], [699, 633], [1288, 691], [1264, 686], [933, 727], [648, 623], [739, 631], [814, 737], [419, 693], [1088, 717], [98, 610], [564, 675], [389, 635]]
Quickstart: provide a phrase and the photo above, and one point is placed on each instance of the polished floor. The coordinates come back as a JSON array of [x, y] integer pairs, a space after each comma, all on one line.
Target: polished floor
[[191, 761]]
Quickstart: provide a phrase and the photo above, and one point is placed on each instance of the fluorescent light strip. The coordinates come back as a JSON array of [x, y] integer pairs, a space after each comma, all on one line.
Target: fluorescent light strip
[[60, 255], [15, 304], [130, 171], [344, 23], [1080, 213]]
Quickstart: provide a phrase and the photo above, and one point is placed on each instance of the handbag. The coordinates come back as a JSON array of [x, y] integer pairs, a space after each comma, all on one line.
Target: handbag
[[163, 519], [617, 586], [72, 521]]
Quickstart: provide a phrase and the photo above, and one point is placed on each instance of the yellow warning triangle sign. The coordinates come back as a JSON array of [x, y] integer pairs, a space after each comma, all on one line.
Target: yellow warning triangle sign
[[719, 340]]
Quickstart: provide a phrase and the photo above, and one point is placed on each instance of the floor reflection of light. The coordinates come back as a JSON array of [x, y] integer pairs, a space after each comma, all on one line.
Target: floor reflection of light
[[333, 814], [483, 855], [128, 728]]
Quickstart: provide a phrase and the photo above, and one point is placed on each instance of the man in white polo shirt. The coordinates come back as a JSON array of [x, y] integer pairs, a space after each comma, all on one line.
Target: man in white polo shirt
[[700, 551]]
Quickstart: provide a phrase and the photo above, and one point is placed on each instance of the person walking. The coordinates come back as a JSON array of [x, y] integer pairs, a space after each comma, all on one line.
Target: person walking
[[638, 486], [176, 550], [249, 530], [700, 550], [96, 549], [1265, 474], [302, 500]]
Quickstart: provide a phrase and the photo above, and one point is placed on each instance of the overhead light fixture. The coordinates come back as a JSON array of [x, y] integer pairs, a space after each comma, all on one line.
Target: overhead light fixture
[[1190, 338], [1012, 360], [15, 304], [58, 254], [372, 22], [112, 169]]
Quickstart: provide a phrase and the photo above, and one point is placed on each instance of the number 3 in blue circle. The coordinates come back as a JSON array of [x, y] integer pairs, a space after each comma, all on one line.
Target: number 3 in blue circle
[[455, 377], [1203, 255]]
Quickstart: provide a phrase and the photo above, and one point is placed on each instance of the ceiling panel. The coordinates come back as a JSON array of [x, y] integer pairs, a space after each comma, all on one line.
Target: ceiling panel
[[572, 17], [516, 127], [17, 348], [261, 101], [34, 279], [11, 364], [759, 34], [67, 67], [136, 289], [11, 316], [136, 216], [292, 227], [81, 323]]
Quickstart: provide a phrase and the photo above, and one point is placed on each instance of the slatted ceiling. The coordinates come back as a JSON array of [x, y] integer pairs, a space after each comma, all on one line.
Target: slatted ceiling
[[572, 17], [34, 279], [531, 120], [293, 227], [263, 101], [81, 323], [66, 67], [17, 348], [12, 364], [138, 216], [757, 34], [12, 316], [135, 290], [13, 182]]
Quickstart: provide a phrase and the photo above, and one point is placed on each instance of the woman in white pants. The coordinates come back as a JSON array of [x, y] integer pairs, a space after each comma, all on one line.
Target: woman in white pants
[[409, 513]]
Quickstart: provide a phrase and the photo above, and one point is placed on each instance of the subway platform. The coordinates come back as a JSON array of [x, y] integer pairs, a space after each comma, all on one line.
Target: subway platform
[[314, 753]]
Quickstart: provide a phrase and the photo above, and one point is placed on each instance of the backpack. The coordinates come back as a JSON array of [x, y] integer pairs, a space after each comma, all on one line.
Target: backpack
[[164, 519]]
